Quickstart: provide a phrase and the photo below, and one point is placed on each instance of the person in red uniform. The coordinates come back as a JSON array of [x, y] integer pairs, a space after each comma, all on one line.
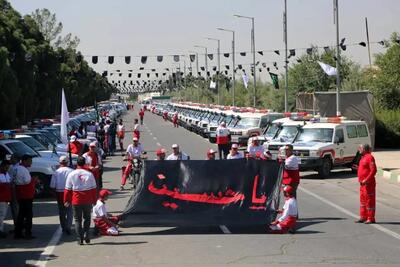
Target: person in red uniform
[[141, 116], [175, 119], [136, 129], [80, 192], [287, 221], [366, 177], [25, 190], [75, 146], [5, 193], [93, 162], [291, 173], [105, 223], [222, 134]]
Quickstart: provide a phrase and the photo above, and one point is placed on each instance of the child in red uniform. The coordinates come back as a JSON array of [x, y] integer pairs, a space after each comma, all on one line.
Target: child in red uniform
[[103, 221]]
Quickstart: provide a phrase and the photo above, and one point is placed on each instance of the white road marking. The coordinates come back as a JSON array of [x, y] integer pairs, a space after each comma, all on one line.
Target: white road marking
[[150, 133], [46, 254], [351, 214], [225, 229], [155, 138], [158, 144]]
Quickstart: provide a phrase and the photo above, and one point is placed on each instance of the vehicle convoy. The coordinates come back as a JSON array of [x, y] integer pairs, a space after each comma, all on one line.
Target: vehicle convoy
[[43, 168], [330, 143]]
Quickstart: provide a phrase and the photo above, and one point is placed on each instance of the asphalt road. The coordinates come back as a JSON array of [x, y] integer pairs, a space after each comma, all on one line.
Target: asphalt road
[[326, 232]]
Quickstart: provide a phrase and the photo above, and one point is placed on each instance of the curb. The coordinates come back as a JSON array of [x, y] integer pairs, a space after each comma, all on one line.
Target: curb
[[389, 175]]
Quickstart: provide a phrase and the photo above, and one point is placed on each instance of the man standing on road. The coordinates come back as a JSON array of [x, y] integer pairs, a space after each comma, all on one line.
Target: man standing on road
[[366, 177], [175, 119], [80, 192], [222, 140], [121, 134], [133, 151], [25, 189], [141, 116], [57, 183], [291, 173], [235, 154], [94, 163], [136, 129], [75, 146], [176, 154], [5, 193]]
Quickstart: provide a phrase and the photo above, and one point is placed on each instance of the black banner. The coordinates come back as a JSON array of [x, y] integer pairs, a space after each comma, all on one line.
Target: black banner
[[200, 192]]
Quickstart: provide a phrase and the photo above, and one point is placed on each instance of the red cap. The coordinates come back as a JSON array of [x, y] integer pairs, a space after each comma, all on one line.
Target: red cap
[[104, 193], [288, 189], [160, 151]]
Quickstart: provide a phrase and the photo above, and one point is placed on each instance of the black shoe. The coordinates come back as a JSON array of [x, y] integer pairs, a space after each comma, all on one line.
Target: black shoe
[[29, 237], [87, 240], [18, 236], [360, 221], [80, 242]]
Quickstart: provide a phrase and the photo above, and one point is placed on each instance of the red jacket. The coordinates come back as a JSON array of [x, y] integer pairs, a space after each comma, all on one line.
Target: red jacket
[[5, 191], [76, 147], [366, 169], [26, 191], [141, 113]]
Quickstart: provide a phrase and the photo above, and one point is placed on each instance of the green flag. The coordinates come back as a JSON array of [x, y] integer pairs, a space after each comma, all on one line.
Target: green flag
[[275, 80]]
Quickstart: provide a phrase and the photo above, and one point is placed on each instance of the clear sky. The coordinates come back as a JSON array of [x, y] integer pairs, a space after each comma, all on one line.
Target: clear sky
[[168, 27]]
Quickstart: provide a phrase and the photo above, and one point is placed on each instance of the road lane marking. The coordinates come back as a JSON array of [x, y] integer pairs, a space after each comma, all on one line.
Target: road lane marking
[[47, 252], [150, 133], [351, 214], [225, 229], [158, 144], [155, 138]]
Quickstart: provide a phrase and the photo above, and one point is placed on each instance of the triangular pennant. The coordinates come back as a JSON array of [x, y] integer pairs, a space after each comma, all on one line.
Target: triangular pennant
[[309, 51], [210, 56], [243, 54], [227, 67], [176, 58], [202, 68], [95, 59], [130, 75], [139, 75], [127, 59], [328, 69], [148, 75], [292, 53], [275, 80], [192, 58], [226, 54], [141, 68], [214, 68], [240, 66], [277, 52], [104, 74], [159, 58], [143, 59], [226, 72], [261, 53], [110, 60]]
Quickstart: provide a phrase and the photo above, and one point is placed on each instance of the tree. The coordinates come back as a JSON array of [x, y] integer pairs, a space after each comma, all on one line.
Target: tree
[[51, 30]]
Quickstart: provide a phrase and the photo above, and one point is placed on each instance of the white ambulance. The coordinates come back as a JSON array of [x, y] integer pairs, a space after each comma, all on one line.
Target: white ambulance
[[330, 143]]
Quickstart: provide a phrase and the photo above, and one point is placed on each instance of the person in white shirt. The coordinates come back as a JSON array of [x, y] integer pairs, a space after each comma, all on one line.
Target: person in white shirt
[[255, 148], [57, 183], [176, 154], [234, 153], [134, 150], [287, 221], [105, 224], [121, 134]]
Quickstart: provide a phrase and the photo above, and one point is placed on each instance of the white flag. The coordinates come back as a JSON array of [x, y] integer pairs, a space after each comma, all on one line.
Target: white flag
[[213, 85], [328, 69], [64, 118], [245, 80]]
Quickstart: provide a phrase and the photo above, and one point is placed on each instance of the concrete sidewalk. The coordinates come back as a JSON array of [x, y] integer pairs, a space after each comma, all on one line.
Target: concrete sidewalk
[[388, 162]]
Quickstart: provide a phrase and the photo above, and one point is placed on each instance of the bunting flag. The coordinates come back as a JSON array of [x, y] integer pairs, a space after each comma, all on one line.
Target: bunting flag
[[277, 52], [153, 70], [127, 59], [176, 58], [240, 66], [214, 68], [104, 74], [226, 72], [299, 60], [208, 74], [327, 49], [164, 74], [261, 53], [328, 69], [148, 75], [130, 75], [342, 45], [139, 74], [309, 51], [245, 80], [243, 54], [157, 75], [213, 85], [276, 65], [110, 60], [95, 59], [275, 80], [226, 54], [143, 59], [192, 58], [210, 56], [141, 68], [227, 67], [199, 73], [120, 74], [264, 65], [202, 68], [292, 53], [159, 58]]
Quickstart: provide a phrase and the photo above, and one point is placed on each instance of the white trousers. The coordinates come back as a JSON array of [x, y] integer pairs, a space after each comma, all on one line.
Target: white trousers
[[3, 213]]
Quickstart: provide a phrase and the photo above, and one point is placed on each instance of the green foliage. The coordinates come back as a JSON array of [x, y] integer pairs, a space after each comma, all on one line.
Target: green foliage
[[387, 128], [32, 73]]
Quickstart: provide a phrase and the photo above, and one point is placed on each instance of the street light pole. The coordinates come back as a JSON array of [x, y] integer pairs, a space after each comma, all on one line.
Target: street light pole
[[336, 20], [219, 66], [206, 62], [286, 55], [197, 69], [233, 63], [253, 48]]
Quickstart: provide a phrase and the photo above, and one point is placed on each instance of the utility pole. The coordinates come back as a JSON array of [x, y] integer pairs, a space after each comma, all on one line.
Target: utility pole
[[336, 20], [369, 49], [233, 63], [286, 55]]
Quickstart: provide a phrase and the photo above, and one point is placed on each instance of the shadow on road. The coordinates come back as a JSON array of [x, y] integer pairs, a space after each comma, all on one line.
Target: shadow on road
[[120, 243], [18, 258], [337, 174]]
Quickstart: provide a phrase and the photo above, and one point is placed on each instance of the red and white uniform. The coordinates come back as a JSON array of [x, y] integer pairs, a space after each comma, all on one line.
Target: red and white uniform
[[136, 131], [180, 156], [175, 119], [291, 173], [24, 184], [165, 115], [5, 197], [133, 152], [76, 147], [222, 135], [141, 113], [121, 131], [58, 180], [366, 174], [238, 155], [93, 160], [80, 188], [288, 218], [99, 212], [255, 150]]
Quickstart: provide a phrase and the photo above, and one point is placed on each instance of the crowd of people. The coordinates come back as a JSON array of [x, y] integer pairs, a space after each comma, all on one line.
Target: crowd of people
[[80, 195]]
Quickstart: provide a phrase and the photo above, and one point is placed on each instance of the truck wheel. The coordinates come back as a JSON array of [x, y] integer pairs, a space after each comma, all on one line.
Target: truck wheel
[[325, 169]]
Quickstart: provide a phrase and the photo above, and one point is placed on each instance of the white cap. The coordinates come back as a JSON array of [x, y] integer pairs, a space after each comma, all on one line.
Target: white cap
[[135, 139], [73, 138], [235, 146], [211, 151], [223, 124], [63, 159], [93, 144], [175, 146]]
